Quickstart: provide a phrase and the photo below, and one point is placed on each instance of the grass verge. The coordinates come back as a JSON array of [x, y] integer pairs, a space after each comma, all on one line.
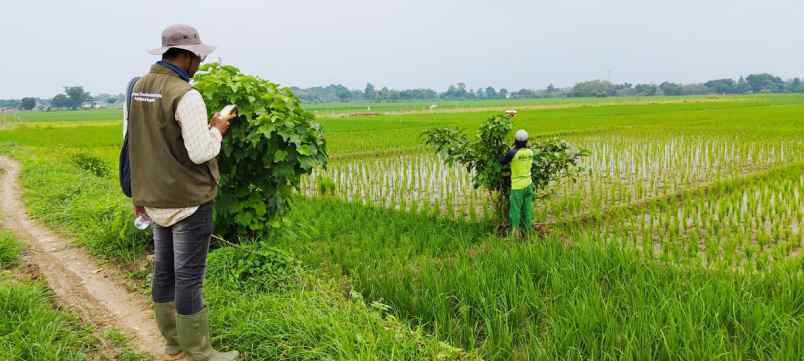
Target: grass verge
[[30, 329]]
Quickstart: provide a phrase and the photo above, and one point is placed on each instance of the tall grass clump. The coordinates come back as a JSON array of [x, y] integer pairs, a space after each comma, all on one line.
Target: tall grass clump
[[9, 250]]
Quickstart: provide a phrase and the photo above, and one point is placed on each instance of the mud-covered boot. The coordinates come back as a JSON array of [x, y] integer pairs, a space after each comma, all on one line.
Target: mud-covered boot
[[194, 339], [166, 319]]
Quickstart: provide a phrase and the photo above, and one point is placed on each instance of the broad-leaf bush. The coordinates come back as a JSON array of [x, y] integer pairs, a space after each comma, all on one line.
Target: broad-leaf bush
[[553, 159], [271, 144]]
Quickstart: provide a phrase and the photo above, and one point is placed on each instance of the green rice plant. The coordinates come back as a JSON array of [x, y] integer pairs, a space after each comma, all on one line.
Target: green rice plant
[[326, 185], [543, 300]]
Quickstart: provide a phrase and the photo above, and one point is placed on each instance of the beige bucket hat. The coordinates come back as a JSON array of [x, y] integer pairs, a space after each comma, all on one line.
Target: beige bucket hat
[[183, 37]]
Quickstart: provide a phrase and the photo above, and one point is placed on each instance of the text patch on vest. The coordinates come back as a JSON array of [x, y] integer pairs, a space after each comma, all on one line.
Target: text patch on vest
[[146, 97]]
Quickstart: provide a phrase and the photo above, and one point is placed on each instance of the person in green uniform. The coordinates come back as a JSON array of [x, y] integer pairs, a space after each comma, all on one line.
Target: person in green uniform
[[520, 157]]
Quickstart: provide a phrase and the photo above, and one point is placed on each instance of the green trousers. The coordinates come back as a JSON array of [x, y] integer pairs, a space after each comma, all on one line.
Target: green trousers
[[520, 211]]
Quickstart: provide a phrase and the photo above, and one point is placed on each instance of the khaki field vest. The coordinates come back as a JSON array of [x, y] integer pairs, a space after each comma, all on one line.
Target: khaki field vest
[[162, 174]]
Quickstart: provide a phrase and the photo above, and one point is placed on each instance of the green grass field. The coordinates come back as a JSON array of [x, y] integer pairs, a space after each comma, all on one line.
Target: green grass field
[[30, 327], [683, 241]]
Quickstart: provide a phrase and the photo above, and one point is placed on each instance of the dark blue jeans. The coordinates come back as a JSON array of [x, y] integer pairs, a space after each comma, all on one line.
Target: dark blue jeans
[[180, 261]]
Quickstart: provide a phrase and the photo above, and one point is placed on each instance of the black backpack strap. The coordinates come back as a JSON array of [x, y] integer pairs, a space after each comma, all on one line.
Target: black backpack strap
[[129, 92], [125, 167]]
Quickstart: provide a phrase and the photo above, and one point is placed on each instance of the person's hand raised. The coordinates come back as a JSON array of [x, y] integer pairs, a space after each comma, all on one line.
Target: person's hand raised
[[222, 122]]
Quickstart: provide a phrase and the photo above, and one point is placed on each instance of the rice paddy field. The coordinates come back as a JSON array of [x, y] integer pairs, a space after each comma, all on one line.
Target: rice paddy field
[[682, 240]]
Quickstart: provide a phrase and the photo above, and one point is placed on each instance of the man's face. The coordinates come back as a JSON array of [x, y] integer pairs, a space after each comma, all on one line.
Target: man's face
[[195, 62]]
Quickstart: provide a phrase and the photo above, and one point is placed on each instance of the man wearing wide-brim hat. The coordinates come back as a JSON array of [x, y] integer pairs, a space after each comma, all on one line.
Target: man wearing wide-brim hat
[[172, 148]]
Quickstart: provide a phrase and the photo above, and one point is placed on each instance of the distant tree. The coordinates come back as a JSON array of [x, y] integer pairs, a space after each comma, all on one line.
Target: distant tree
[[551, 89], [451, 90], [794, 86], [694, 89], [76, 95], [370, 93], [742, 86], [594, 88], [670, 89], [28, 103], [624, 89], [765, 83], [429, 93], [722, 86], [524, 94], [461, 90], [503, 93], [343, 93], [646, 89], [491, 93], [388, 95], [457, 91], [9, 103], [470, 94], [60, 101]]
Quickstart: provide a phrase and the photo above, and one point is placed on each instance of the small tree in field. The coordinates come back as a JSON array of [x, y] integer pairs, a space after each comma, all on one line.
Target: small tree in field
[[554, 159], [27, 103], [76, 96], [271, 144]]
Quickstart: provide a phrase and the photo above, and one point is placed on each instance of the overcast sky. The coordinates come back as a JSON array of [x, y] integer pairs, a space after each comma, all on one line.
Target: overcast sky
[[100, 44]]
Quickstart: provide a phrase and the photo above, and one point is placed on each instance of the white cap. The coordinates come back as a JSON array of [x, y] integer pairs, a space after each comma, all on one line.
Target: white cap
[[521, 135]]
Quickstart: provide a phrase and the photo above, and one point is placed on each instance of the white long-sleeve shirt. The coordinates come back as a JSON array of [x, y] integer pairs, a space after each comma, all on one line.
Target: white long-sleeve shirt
[[203, 143]]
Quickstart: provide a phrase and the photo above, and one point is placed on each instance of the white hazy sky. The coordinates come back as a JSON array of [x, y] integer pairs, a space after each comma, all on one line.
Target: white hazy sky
[[100, 44]]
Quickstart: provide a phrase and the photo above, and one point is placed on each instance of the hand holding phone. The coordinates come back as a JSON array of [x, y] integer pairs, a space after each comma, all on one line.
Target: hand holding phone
[[228, 112]]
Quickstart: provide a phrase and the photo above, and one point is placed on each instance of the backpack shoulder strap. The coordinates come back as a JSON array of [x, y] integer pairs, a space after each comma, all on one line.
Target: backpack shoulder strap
[[125, 170], [129, 91]]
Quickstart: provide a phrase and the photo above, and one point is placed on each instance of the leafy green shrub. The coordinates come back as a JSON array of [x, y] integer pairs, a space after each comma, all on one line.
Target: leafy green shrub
[[9, 250], [271, 144], [92, 164], [253, 267], [553, 158]]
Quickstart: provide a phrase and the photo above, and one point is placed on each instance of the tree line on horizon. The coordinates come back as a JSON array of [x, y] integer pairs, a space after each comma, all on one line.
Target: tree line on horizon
[[75, 97], [751, 84]]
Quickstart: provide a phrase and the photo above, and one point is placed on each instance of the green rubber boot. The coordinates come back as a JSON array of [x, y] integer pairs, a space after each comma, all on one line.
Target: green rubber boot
[[194, 339], [166, 319]]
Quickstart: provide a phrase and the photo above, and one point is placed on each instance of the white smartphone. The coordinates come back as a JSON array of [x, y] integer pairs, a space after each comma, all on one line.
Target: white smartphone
[[228, 110]]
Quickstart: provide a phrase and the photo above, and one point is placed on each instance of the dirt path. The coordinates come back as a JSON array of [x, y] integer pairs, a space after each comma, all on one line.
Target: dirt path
[[98, 296]]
